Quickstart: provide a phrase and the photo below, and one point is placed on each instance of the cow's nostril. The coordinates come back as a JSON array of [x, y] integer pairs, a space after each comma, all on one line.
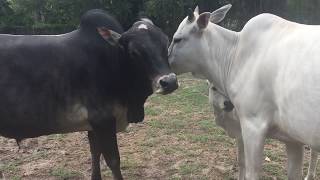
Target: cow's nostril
[[164, 84]]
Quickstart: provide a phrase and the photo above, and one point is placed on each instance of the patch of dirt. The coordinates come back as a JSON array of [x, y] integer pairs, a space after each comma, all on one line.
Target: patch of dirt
[[40, 158]]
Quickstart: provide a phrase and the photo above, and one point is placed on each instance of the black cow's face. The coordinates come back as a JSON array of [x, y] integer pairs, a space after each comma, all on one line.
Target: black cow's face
[[147, 48], [146, 67]]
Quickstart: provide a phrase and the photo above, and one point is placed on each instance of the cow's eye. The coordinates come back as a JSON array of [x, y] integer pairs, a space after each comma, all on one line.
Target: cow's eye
[[177, 40], [214, 89]]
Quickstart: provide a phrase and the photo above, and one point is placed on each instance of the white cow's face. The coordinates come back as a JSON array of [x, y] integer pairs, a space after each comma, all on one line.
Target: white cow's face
[[184, 51], [189, 49]]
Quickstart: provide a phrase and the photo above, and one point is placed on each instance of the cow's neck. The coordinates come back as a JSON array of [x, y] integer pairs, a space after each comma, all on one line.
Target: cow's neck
[[222, 44]]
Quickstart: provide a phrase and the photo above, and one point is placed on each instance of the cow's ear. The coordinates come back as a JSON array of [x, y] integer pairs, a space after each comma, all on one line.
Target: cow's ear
[[219, 14], [203, 20], [110, 36]]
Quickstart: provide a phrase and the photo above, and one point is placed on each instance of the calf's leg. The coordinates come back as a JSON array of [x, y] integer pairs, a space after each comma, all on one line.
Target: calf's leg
[[241, 159], [312, 165], [95, 156], [295, 161], [1, 175], [105, 132]]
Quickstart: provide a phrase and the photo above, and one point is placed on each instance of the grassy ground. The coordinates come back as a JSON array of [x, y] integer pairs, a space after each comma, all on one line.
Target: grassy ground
[[177, 140]]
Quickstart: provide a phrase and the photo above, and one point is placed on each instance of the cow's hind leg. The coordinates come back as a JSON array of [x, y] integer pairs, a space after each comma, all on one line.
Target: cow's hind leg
[[105, 132], [295, 160], [312, 165], [95, 156]]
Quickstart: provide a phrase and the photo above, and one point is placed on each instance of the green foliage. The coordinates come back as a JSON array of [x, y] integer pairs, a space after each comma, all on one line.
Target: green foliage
[[167, 14], [125, 11], [171, 17], [5, 8], [304, 11]]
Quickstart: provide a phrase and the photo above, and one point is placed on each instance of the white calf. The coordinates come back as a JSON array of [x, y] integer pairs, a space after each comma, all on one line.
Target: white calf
[[226, 118]]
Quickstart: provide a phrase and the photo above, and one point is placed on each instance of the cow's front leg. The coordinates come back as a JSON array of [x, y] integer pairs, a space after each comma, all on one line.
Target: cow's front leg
[[241, 159], [253, 135], [105, 132], [295, 160], [95, 156], [312, 165]]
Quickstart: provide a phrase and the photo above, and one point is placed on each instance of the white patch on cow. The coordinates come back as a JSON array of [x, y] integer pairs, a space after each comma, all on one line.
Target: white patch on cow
[[75, 118], [120, 113], [231, 124], [147, 20], [142, 26], [78, 113]]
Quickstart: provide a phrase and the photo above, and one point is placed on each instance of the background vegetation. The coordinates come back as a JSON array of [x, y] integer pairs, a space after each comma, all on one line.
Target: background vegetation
[[58, 16]]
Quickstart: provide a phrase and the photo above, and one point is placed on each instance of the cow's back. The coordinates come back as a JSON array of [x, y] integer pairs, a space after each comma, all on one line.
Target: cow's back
[[42, 77], [278, 73]]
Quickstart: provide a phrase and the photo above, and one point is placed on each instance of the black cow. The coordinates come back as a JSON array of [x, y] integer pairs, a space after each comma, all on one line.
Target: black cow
[[91, 79]]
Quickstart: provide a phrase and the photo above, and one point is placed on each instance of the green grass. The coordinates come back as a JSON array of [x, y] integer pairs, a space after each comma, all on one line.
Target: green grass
[[11, 166], [208, 125], [190, 168], [64, 173], [274, 169], [16, 178]]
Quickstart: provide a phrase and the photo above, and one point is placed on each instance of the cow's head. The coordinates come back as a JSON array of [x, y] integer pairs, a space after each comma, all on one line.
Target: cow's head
[[146, 48], [189, 49]]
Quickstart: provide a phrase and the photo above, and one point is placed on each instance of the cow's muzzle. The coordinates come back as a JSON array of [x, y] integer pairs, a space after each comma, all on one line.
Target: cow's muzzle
[[228, 106], [167, 84]]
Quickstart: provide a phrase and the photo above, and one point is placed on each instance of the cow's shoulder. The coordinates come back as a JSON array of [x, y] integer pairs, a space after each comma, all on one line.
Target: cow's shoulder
[[263, 29]]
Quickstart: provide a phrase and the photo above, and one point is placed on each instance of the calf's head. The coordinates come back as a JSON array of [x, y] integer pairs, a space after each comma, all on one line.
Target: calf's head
[[189, 49], [219, 102]]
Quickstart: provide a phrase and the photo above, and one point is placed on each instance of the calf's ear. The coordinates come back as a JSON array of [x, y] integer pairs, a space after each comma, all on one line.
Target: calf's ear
[[196, 10], [219, 14], [203, 20], [110, 36]]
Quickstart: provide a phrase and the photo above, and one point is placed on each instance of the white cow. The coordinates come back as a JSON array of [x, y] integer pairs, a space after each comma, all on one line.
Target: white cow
[[270, 71], [225, 117]]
